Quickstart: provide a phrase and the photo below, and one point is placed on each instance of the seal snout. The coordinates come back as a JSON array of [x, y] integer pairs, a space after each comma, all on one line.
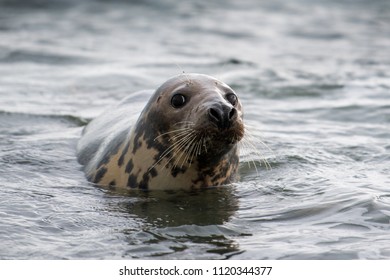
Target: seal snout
[[222, 115]]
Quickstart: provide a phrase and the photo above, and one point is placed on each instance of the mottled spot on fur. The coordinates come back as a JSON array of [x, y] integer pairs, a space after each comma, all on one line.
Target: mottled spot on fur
[[132, 181], [145, 182], [90, 177], [136, 145], [112, 183], [129, 166], [175, 171], [112, 149], [100, 174], [124, 152], [105, 159], [153, 172]]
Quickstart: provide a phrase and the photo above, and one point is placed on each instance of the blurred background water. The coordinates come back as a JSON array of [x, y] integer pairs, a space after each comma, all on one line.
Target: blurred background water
[[314, 78]]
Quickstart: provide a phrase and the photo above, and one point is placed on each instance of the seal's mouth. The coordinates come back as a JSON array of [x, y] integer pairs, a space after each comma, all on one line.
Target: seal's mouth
[[226, 137], [218, 136], [188, 141]]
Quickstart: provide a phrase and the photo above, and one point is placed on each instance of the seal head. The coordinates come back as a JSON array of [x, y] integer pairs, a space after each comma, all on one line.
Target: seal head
[[186, 137]]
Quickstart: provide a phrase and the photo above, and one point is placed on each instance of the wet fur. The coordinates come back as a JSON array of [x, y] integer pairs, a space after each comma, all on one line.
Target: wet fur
[[166, 148]]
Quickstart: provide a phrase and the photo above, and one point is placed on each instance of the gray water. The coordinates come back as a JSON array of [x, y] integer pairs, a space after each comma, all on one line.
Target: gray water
[[314, 79]]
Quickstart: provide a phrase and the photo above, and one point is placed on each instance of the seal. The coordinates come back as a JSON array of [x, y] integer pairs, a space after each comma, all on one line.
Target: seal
[[186, 137]]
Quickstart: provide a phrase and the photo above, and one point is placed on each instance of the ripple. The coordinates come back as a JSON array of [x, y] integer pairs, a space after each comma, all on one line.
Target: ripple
[[19, 56], [30, 124]]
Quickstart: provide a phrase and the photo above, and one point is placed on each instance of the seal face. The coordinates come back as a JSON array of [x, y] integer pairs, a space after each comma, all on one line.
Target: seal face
[[186, 137]]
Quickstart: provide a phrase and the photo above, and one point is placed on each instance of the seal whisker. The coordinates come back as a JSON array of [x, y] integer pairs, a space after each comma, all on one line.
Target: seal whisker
[[190, 151], [177, 145], [185, 122], [250, 142], [249, 136], [179, 130], [182, 130], [204, 144], [170, 149], [198, 149], [183, 154], [250, 160], [199, 146], [184, 73], [181, 134], [261, 155], [182, 148]]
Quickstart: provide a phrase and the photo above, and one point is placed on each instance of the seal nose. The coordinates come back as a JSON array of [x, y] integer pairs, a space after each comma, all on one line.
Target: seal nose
[[222, 115]]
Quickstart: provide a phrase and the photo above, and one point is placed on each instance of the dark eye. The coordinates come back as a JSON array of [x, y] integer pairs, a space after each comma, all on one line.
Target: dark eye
[[178, 100], [232, 98]]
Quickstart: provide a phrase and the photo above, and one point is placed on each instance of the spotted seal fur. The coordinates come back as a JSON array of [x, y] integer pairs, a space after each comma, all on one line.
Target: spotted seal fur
[[185, 138]]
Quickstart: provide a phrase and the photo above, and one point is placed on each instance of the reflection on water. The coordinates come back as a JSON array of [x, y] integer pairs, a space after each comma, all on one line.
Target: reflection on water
[[168, 221], [173, 209]]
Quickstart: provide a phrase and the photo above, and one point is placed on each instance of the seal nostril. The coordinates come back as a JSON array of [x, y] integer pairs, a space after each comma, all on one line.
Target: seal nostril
[[232, 113], [215, 115], [222, 116]]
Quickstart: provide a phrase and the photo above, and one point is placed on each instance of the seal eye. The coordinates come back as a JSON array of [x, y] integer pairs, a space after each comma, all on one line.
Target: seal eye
[[232, 98], [178, 100]]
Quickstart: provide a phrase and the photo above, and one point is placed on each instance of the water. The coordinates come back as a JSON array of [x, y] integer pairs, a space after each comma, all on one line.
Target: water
[[314, 79]]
